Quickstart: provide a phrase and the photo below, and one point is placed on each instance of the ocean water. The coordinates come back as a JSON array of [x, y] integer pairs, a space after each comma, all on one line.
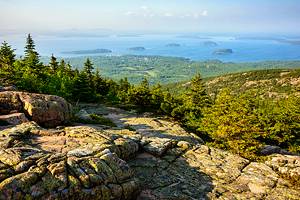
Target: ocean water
[[244, 50]]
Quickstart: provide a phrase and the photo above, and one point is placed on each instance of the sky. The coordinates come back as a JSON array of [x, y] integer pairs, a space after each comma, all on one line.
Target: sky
[[211, 16]]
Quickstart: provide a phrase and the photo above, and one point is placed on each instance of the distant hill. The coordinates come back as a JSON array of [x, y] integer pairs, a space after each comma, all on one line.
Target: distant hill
[[272, 83], [169, 69]]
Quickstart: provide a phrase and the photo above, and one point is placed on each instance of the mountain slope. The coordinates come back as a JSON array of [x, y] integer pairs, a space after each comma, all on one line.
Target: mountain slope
[[272, 83]]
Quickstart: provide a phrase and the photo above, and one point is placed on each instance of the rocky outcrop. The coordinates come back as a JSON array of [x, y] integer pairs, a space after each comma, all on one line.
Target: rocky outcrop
[[72, 163], [153, 159], [14, 118], [46, 110], [8, 88]]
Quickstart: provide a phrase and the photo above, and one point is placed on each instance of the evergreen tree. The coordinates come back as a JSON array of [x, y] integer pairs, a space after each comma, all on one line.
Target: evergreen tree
[[62, 65], [7, 54], [31, 59], [140, 95], [7, 59], [53, 64], [157, 96], [100, 84], [30, 46], [81, 90], [197, 95], [192, 102], [88, 69]]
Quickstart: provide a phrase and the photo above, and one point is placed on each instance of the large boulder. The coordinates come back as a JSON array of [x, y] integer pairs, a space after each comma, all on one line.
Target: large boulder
[[46, 110]]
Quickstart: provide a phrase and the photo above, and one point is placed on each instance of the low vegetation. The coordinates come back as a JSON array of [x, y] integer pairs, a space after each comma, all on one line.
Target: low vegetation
[[169, 69], [241, 121]]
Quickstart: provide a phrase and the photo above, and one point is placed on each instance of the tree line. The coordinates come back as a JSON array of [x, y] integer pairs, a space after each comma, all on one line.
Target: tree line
[[240, 123]]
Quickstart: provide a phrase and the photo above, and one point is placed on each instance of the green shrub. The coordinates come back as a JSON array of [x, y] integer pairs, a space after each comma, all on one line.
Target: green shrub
[[102, 120]]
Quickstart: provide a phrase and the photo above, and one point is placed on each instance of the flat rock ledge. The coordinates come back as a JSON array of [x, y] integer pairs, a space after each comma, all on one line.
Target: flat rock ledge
[[87, 162]]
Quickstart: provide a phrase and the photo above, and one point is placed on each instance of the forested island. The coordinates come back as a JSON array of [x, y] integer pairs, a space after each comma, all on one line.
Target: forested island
[[137, 48], [92, 51], [173, 45], [223, 52], [210, 44]]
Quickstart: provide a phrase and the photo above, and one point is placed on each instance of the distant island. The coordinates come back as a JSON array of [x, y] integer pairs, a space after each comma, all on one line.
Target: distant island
[[137, 48], [282, 40], [173, 45], [223, 52], [210, 43], [92, 51], [194, 37]]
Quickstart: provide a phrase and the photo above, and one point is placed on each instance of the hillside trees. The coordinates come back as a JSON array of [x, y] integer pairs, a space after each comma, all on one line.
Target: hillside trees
[[7, 59], [192, 102], [245, 123]]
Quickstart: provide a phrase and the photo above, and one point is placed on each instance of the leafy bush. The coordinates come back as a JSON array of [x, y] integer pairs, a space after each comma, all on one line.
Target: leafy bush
[[102, 120], [245, 123]]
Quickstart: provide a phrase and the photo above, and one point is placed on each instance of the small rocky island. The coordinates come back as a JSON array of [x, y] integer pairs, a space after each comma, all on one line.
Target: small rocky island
[[173, 45], [137, 48], [92, 51], [210, 44], [223, 52]]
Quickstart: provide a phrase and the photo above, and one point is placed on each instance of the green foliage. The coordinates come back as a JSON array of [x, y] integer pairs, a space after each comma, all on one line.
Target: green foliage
[[53, 64], [129, 128], [7, 54], [81, 89], [102, 120], [96, 119], [171, 69], [244, 123], [140, 95], [7, 58]]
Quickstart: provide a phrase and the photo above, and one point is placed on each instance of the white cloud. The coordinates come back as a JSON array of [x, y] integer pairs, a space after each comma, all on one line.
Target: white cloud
[[129, 13], [196, 15], [168, 15], [204, 13], [144, 8]]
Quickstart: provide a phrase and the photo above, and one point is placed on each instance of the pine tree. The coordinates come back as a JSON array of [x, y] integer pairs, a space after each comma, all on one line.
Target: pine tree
[[7, 59], [7, 54], [31, 58], [53, 64], [157, 96], [88, 69], [195, 99], [197, 94], [100, 84], [81, 89], [140, 95], [30, 46], [62, 65]]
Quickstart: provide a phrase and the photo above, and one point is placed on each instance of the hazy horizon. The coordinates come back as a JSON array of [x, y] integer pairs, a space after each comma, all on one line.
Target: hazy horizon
[[145, 16]]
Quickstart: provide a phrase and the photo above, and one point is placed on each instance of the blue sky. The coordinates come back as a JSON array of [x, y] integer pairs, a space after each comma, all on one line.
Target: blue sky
[[255, 16]]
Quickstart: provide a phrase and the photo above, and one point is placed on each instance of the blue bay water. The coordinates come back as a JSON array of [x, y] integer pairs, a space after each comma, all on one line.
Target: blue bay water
[[244, 50]]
